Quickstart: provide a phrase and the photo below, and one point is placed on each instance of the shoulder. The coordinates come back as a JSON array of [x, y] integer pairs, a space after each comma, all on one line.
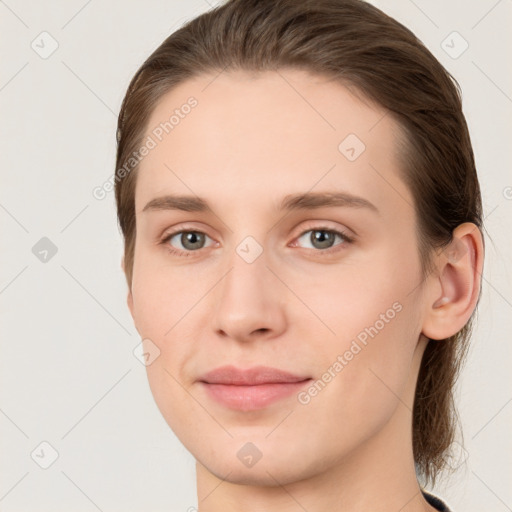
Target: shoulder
[[435, 502]]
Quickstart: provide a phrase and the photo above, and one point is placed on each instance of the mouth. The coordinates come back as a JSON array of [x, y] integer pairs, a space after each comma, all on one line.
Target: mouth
[[251, 389]]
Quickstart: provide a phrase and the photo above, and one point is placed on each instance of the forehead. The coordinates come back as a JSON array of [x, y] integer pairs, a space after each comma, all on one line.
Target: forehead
[[252, 136]]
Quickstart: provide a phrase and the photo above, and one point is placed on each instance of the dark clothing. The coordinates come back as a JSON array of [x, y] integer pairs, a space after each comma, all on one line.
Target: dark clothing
[[435, 502]]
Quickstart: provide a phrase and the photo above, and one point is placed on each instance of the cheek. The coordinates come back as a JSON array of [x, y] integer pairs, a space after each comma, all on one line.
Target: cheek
[[361, 301], [379, 356], [376, 320], [164, 305], [361, 382], [162, 297]]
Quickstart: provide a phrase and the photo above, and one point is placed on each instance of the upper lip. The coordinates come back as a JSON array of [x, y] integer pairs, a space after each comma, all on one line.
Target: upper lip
[[249, 377]]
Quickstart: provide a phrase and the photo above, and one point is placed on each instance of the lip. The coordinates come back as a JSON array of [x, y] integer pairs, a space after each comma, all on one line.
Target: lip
[[250, 389]]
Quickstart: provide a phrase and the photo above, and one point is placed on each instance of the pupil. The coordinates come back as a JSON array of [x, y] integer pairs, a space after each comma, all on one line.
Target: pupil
[[191, 238]]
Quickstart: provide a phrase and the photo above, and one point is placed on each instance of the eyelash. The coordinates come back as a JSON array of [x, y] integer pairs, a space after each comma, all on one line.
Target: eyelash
[[346, 239]]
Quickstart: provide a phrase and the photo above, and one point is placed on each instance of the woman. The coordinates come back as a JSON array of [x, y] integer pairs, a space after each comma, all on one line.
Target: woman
[[302, 220]]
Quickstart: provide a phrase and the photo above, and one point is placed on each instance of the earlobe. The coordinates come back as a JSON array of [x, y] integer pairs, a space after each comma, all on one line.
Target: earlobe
[[455, 289]]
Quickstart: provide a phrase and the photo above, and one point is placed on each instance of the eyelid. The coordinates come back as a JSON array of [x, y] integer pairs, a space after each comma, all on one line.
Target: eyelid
[[312, 225], [180, 228], [324, 225], [168, 234]]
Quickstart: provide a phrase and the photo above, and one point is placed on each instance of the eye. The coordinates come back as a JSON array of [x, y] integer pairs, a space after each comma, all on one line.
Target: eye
[[190, 241], [323, 238]]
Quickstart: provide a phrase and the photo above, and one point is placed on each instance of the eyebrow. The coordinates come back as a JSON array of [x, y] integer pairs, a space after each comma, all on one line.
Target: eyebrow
[[291, 202]]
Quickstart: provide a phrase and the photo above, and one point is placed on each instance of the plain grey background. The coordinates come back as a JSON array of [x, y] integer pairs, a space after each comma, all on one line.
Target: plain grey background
[[69, 377]]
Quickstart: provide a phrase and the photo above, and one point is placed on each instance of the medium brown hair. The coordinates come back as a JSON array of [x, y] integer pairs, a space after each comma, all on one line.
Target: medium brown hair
[[364, 49]]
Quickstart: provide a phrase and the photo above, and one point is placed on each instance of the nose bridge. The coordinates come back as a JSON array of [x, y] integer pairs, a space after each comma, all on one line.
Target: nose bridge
[[247, 281], [247, 256], [248, 298]]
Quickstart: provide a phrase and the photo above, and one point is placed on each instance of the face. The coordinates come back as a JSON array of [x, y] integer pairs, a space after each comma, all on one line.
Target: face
[[267, 270]]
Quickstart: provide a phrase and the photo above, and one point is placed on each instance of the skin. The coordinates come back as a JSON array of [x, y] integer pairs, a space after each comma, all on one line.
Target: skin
[[251, 140]]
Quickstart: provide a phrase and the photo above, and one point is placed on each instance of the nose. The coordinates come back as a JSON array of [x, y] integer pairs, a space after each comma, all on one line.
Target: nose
[[250, 301]]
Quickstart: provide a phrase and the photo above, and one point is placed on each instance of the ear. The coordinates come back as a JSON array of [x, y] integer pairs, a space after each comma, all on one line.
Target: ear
[[452, 293], [129, 299]]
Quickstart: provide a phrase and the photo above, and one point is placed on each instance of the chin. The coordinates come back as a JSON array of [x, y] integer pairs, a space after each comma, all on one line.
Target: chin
[[270, 474], [272, 464]]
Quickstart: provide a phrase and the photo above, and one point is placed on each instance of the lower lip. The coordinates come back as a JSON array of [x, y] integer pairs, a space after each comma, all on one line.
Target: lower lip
[[250, 398]]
